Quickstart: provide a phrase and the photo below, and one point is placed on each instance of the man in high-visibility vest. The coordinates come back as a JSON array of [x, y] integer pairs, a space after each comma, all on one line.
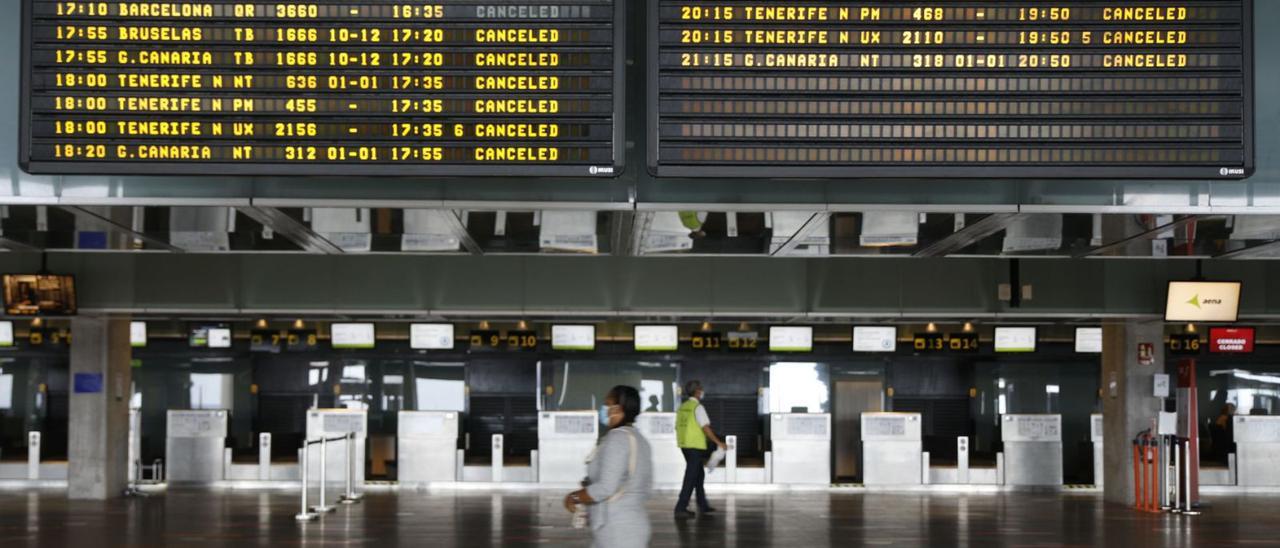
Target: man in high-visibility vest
[[693, 428]]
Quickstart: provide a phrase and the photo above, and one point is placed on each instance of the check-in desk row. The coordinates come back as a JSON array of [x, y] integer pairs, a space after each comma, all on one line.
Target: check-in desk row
[[893, 454], [427, 450]]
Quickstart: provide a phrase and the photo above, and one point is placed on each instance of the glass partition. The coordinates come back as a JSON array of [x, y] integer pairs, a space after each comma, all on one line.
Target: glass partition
[[580, 385]]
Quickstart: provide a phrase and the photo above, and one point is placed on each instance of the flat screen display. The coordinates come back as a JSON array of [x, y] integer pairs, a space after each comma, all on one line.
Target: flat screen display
[[207, 336], [369, 87], [1203, 302], [1015, 339], [1008, 89], [39, 294], [790, 339], [431, 336], [138, 334], [353, 335], [6, 334], [220, 337], [1089, 340], [657, 338], [875, 339], [573, 337]]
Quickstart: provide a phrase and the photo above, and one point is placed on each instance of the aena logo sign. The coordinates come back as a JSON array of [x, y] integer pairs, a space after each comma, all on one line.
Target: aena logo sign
[[1196, 302]]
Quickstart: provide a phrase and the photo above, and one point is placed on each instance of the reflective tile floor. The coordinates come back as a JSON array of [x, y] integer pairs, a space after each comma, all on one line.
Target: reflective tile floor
[[481, 518]]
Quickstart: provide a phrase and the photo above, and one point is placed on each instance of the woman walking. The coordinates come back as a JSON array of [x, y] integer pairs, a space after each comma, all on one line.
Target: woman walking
[[619, 477]]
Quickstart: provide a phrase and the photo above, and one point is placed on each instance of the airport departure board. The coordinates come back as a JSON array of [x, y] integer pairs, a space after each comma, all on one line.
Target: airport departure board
[[323, 87], [951, 88]]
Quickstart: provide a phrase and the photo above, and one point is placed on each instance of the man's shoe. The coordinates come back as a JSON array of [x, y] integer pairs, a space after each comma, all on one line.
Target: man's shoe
[[707, 510], [684, 514]]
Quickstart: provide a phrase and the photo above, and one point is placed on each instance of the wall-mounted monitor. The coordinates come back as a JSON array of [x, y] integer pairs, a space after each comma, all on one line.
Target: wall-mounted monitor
[[6, 334], [875, 339], [1231, 340], [208, 336], [431, 336], [353, 335], [657, 338], [1089, 340], [1196, 301], [39, 294], [790, 339], [1015, 339], [138, 334], [573, 337], [220, 337]]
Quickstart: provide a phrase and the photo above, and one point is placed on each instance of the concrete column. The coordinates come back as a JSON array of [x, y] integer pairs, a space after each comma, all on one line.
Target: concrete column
[[100, 388], [1128, 401]]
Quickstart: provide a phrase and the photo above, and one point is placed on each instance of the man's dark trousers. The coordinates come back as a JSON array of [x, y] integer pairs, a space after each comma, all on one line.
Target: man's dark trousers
[[693, 479]]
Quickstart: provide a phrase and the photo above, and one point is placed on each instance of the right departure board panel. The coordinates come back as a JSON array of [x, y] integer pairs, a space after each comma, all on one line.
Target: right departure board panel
[[966, 89]]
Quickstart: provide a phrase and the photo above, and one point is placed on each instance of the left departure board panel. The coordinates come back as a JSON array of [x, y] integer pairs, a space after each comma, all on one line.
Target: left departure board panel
[[323, 87]]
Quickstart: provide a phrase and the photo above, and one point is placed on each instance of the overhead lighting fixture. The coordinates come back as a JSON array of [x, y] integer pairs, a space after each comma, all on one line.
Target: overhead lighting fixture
[[1191, 328], [37, 322], [484, 325], [706, 326], [262, 323], [744, 326], [523, 325], [968, 327], [297, 324], [932, 327]]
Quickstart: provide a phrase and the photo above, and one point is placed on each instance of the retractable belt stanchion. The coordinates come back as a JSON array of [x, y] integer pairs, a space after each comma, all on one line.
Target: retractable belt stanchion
[[304, 514], [323, 508], [351, 497]]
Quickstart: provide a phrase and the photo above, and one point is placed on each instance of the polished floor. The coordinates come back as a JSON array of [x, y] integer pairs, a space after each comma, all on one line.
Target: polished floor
[[483, 518]]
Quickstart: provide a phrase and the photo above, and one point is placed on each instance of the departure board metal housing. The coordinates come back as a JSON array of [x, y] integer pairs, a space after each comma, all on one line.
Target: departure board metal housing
[[324, 87], [802, 89]]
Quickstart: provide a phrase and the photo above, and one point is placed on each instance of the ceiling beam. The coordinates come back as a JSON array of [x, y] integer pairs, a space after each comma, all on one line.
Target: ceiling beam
[[292, 229], [1148, 235], [970, 234], [84, 213]]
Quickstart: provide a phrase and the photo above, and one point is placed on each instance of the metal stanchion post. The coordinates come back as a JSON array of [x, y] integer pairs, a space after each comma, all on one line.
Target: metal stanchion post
[[1177, 476], [351, 497], [304, 514], [323, 508], [1163, 462], [1186, 449]]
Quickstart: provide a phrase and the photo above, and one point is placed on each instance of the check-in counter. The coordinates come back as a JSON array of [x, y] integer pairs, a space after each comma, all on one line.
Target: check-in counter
[[801, 448], [668, 461], [193, 446], [892, 449], [565, 439], [1257, 451], [330, 423], [1032, 450], [427, 447]]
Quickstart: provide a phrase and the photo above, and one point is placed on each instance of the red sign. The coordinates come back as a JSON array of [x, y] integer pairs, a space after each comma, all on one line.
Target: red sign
[[1146, 354], [1231, 340]]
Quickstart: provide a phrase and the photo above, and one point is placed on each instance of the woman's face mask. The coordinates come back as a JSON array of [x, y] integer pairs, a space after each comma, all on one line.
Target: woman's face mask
[[606, 418]]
